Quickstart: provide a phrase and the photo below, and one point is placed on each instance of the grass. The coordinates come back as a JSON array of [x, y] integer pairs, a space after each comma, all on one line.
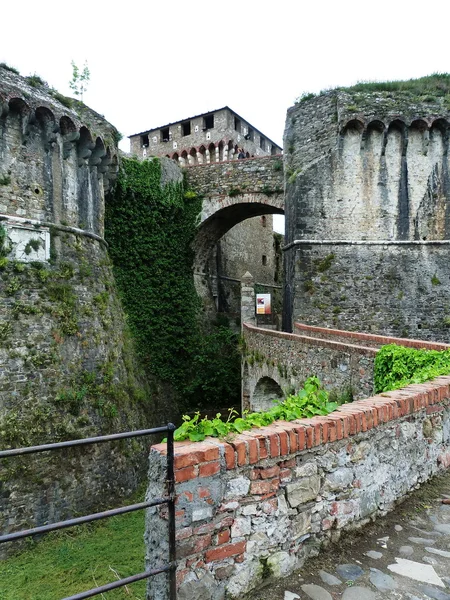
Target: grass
[[437, 84], [78, 559]]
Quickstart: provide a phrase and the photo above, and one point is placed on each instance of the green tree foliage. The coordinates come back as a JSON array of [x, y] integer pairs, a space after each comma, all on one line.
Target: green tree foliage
[[150, 229], [80, 79]]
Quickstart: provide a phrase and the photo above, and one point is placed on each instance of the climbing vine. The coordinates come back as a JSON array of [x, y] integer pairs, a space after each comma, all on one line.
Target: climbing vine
[[150, 227]]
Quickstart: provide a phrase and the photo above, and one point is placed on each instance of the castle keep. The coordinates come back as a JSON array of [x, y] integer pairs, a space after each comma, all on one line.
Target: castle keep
[[203, 139]]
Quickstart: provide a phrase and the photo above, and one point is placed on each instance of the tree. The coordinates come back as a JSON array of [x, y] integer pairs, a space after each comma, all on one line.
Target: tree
[[80, 79]]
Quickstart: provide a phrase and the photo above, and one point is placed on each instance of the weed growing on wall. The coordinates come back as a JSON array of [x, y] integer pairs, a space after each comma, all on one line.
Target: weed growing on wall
[[397, 366], [150, 229], [311, 400]]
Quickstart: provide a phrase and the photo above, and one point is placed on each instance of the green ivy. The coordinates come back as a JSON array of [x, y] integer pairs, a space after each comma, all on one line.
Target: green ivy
[[150, 229], [311, 400], [397, 366]]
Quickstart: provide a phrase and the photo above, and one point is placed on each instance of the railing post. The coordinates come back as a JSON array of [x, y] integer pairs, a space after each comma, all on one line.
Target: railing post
[[171, 506]]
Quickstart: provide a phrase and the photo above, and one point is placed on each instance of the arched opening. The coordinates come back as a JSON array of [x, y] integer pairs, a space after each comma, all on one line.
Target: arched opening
[[175, 157], [220, 148], [355, 126], [201, 155], [232, 241], [85, 145], [266, 391], [192, 157], [212, 152]]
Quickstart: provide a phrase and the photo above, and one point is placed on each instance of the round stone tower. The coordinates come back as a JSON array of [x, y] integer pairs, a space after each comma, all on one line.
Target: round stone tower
[[66, 365], [367, 211]]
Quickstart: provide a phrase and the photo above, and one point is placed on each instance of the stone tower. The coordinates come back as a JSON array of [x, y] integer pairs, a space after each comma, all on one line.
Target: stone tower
[[66, 365], [367, 212]]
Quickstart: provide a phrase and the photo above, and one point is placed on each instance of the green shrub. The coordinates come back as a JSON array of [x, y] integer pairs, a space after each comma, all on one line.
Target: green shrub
[[311, 400], [397, 366]]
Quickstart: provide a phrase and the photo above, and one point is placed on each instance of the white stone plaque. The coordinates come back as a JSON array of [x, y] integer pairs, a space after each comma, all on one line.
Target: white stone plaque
[[28, 243]]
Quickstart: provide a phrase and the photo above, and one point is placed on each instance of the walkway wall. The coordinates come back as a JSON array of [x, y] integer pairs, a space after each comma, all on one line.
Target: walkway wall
[[256, 507], [289, 359]]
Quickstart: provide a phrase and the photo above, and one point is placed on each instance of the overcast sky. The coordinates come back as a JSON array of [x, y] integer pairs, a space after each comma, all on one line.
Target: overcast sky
[[154, 62]]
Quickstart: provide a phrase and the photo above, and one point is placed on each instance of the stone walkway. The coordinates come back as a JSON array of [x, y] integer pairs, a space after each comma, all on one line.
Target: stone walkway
[[405, 556]]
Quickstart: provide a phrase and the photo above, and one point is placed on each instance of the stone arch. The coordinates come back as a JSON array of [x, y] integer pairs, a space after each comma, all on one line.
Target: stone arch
[[67, 126], [265, 392], [19, 106], [420, 125], [202, 152], [85, 145], [353, 126], [397, 124], [98, 152], [175, 157], [231, 212], [212, 152], [376, 125], [220, 148], [192, 156], [184, 158], [19, 112]]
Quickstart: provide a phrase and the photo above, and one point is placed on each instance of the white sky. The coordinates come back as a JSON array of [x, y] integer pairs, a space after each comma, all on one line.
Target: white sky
[[153, 62]]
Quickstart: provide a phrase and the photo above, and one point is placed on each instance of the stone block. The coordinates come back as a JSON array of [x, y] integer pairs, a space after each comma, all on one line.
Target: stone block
[[303, 491]]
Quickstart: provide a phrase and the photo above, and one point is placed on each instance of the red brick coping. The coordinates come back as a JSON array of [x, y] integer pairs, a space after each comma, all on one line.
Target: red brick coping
[[381, 340], [312, 341], [281, 438]]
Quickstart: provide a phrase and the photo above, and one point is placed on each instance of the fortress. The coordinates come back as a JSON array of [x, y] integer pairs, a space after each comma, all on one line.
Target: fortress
[[364, 184]]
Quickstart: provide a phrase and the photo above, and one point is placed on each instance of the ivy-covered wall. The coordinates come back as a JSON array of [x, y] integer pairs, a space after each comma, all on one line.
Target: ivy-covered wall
[[151, 222]]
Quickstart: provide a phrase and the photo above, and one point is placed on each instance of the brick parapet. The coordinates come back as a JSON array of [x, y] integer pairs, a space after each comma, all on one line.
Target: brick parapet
[[262, 494], [369, 339]]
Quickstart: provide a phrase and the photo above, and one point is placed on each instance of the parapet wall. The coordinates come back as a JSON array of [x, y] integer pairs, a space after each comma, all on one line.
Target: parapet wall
[[250, 175], [256, 507], [368, 339]]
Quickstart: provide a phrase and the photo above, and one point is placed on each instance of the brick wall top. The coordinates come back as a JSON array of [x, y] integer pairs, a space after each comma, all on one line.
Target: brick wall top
[[281, 438], [312, 341], [372, 339]]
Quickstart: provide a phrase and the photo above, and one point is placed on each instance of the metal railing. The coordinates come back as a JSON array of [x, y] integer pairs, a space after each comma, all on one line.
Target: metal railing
[[169, 500]]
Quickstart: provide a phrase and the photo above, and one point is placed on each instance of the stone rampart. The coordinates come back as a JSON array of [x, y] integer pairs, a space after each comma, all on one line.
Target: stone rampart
[[254, 508], [275, 363]]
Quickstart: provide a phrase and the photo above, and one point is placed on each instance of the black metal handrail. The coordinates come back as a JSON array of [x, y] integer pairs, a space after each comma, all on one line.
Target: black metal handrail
[[169, 500]]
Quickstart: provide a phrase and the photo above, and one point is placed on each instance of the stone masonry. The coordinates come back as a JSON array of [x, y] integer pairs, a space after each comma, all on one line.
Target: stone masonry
[[252, 509]]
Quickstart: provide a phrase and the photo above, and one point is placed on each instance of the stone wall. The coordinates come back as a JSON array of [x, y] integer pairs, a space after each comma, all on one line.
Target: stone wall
[[367, 185], [251, 175], [274, 361], [388, 288], [253, 509]]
